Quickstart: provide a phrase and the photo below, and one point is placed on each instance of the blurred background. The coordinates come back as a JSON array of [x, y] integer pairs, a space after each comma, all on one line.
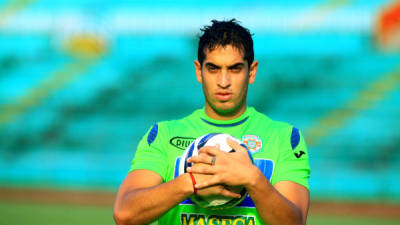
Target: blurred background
[[81, 81]]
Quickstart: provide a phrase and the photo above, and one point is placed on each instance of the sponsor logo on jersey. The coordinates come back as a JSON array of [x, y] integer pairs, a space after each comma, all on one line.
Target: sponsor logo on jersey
[[181, 142], [201, 219], [253, 143]]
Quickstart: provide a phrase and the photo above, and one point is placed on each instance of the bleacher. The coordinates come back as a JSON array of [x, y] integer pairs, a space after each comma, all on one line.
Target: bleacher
[[81, 131]]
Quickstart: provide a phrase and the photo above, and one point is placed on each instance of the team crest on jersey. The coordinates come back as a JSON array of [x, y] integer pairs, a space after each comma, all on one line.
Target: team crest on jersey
[[253, 143]]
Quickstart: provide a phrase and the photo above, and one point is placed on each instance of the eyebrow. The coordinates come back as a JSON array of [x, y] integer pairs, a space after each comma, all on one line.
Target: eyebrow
[[239, 64], [236, 65], [211, 65]]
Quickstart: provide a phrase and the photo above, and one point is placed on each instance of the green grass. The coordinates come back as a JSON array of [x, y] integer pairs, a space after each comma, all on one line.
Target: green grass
[[51, 214], [349, 220]]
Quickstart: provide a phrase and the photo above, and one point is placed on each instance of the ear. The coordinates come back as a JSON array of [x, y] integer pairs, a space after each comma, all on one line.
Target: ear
[[197, 66], [253, 72]]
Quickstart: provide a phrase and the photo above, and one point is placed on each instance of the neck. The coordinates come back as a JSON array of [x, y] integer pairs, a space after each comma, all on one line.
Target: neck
[[224, 116]]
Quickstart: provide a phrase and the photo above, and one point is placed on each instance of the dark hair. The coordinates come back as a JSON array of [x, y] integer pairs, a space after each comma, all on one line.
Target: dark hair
[[222, 33]]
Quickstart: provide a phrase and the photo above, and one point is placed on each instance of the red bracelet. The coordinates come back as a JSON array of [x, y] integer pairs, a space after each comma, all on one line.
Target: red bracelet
[[194, 183]]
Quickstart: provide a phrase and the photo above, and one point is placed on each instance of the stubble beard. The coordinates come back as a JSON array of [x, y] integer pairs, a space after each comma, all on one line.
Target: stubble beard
[[226, 112]]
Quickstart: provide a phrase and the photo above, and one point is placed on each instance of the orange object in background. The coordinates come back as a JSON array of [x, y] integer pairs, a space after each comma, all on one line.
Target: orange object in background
[[388, 27]]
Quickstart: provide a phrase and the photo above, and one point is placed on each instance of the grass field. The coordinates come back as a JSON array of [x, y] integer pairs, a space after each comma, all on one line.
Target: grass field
[[50, 214], [56, 214]]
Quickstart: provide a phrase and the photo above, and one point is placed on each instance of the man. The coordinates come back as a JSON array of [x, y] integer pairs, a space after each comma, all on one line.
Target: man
[[277, 183]]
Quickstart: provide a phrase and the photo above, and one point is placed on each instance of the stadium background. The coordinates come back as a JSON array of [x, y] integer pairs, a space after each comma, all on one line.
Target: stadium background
[[82, 80]]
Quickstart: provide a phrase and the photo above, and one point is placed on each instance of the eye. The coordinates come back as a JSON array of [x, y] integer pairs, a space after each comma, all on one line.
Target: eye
[[212, 69], [236, 69]]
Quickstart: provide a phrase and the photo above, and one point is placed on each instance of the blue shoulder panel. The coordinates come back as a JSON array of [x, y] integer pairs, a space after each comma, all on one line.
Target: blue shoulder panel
[[152, 134], [295, 138]]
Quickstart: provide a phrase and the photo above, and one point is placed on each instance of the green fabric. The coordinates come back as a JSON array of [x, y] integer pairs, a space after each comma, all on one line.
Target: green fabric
[[270, 143]]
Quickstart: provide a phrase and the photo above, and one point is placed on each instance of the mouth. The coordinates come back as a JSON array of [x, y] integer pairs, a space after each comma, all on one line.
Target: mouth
[[223, 96]]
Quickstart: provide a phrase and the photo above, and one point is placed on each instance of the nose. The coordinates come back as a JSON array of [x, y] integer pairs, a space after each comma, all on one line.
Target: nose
[[224, 79]]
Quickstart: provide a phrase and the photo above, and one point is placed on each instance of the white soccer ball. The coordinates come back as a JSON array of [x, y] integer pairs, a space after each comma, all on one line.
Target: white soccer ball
[[215, 202]]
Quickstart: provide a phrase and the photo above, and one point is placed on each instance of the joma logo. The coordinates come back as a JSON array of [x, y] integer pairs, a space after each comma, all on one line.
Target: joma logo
[[298, 155]]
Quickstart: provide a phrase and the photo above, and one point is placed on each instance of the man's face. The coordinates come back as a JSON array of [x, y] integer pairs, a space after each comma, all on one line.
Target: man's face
[[225, 76]]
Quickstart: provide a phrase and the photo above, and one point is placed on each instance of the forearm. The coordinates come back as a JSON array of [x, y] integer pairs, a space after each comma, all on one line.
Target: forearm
[[272, 207], [142, 206]]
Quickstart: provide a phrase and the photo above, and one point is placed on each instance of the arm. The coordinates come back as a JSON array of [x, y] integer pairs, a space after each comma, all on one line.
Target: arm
[[284, 203], [143, 197], [297, 194], [290, 200]]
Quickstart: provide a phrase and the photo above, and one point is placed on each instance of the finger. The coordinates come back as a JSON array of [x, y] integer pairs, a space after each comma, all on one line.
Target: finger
[[235, 145], [227, 193], [212, 181], [211, 150], [203, 158], [206, 169]]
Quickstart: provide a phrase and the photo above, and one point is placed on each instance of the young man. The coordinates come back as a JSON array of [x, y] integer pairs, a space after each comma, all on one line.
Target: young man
[[277, 183]]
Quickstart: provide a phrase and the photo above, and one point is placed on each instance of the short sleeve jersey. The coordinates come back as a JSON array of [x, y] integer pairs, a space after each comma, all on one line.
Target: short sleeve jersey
[[278, 150]]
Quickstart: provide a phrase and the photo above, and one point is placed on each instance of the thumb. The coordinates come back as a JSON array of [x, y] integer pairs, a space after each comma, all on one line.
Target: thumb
[[240, 148], [235, 145]]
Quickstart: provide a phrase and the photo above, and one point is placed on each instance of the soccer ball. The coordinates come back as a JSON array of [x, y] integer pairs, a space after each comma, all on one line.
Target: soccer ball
[[214, 202]]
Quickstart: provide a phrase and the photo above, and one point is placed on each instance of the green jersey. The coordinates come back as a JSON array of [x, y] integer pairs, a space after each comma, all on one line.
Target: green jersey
[[278, 150]]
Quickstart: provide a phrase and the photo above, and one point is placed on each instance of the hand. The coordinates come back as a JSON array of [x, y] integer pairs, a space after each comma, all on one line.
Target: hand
[[214, 189], [233, 169]]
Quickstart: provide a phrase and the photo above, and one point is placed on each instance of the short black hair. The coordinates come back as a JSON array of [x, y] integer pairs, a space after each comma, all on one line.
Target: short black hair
[[222, 33]]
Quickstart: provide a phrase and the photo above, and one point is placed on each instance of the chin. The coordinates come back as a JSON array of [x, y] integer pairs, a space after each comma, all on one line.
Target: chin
[[225, 109]]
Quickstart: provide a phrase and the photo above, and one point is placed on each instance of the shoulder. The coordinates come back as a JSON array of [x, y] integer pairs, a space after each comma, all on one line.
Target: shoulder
[[167, 126], [269, 123], [277, 128]]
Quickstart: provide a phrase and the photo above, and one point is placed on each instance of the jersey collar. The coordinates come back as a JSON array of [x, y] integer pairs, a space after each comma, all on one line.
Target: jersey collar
[[225, 123]]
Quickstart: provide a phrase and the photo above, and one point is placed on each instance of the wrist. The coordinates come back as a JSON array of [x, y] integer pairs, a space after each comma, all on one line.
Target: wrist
[[187, 184], [254, 178], [193, 183]]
